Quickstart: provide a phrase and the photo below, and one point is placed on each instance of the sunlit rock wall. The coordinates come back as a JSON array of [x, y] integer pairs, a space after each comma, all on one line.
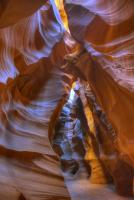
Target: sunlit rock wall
[[32, 92], [33, 43], [102, 155], [106, 30]]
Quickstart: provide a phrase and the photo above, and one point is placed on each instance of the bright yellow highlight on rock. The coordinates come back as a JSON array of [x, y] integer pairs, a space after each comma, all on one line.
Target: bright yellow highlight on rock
[[60, 6]]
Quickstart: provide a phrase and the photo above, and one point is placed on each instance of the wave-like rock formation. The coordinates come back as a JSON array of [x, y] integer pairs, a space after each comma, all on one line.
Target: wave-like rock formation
[[33, 90], [44, 47], [106, 30]]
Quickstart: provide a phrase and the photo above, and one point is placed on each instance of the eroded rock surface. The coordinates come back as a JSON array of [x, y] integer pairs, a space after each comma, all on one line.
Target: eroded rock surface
[[39, 60]]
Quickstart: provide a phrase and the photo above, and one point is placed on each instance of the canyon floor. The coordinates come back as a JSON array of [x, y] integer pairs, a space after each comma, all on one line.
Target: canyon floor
[[80, 188]]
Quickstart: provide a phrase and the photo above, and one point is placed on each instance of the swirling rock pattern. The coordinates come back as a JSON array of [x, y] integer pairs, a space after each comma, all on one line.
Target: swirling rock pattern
[[34, 84], [106, 30]]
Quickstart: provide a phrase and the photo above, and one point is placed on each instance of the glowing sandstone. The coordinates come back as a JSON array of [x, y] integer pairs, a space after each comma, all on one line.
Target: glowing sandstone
[[34, 85]]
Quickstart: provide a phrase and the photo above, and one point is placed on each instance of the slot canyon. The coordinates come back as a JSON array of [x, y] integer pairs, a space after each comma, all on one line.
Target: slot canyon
[[66, 99]]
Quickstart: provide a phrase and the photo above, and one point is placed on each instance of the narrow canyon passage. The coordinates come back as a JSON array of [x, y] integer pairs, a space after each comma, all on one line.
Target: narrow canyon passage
[[66, 100], [71, 144]]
